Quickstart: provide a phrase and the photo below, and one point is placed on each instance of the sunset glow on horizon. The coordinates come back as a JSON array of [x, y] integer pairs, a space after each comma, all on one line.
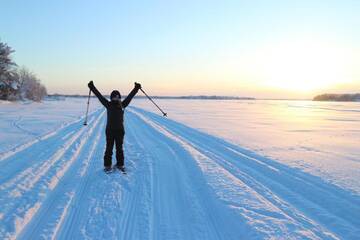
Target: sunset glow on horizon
[[303, 66]]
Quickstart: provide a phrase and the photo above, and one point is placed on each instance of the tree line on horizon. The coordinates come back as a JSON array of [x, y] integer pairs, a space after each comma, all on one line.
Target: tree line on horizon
[[338, 97], [18, 83]]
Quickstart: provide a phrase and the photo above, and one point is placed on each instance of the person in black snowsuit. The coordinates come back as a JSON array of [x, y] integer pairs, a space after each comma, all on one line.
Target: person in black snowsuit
[[115, 124]]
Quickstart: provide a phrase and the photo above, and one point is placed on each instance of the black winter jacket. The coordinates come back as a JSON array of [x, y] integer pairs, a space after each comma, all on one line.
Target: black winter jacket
[[115, 111]]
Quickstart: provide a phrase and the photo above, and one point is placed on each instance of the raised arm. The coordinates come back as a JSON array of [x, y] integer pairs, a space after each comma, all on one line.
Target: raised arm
[[101, 98], [129, 97]]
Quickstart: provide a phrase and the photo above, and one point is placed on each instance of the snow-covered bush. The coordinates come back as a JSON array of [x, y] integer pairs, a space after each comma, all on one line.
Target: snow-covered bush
[[30, 86]]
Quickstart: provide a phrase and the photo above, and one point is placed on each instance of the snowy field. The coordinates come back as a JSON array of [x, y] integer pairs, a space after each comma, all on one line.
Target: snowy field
[[22, 123], [235, 170], [321, 138]]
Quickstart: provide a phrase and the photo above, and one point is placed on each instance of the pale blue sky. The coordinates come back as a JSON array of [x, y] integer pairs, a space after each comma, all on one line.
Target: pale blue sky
[[183, 47]]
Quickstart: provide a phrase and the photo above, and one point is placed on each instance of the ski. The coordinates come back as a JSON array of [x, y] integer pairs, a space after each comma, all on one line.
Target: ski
[[115, 168], [108, 170], [121, 169]]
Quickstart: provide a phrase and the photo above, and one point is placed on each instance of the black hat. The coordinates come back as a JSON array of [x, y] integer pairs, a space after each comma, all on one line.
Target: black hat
[[114, 94]]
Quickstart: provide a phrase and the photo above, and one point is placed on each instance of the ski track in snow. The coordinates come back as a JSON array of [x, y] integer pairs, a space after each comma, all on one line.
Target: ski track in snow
[[181, 184]]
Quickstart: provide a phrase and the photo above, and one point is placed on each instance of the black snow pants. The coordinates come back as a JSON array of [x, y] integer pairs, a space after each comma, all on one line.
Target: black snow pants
[[117, 137]]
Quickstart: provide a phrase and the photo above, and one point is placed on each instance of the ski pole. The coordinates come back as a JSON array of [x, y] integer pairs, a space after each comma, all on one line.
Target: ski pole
[[87, 109], [164, 113]]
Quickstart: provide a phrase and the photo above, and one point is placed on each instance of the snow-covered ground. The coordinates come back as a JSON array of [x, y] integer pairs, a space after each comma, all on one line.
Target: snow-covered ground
[[182, 183], [24, 122], [321, 138]]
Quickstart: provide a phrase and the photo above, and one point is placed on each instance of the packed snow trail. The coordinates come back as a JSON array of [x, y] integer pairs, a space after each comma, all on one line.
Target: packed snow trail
[[181, 184], [318, 206]]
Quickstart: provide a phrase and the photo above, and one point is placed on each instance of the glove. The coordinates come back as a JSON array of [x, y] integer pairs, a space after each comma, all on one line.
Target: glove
[[91, 84], [137, 86]]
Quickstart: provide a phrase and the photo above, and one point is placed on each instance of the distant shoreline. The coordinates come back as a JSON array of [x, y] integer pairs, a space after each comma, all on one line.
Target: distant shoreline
[[199, 97], [322, 97], [191, 97]]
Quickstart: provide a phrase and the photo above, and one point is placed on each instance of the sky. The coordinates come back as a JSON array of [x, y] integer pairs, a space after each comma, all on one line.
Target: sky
[[259, 48]]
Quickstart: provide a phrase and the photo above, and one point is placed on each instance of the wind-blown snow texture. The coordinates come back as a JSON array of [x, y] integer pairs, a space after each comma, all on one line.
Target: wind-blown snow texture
[[181, 184], [321, 138]]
